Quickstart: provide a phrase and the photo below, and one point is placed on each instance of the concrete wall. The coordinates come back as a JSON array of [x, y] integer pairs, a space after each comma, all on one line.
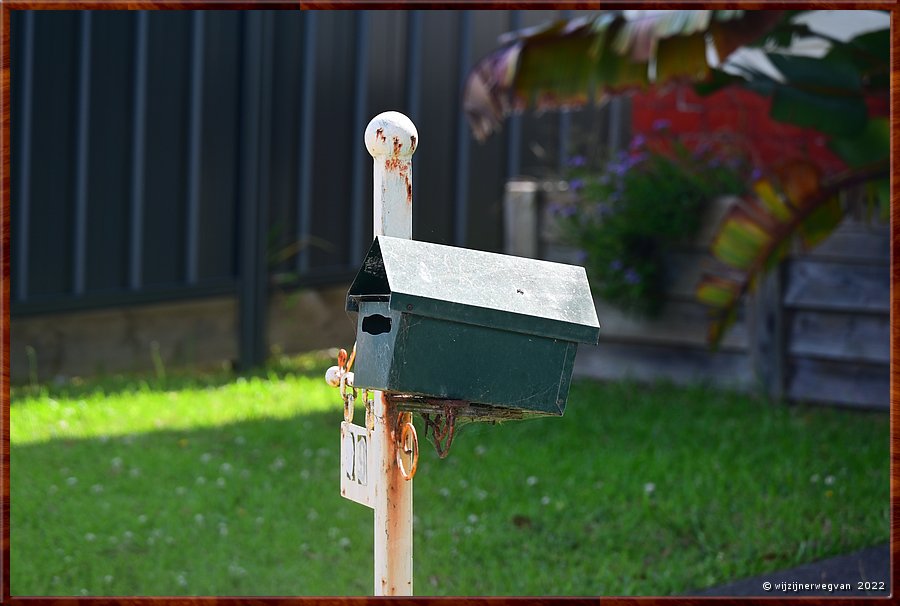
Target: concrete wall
[[200, 333]]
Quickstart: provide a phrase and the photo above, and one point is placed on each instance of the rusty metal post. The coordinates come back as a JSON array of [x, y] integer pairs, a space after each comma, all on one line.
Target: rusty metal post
[[391, 139]]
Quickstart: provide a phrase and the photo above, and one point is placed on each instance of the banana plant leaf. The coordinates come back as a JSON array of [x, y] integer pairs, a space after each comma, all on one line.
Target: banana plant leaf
[[871, 145], [757, 232], [568, 63]]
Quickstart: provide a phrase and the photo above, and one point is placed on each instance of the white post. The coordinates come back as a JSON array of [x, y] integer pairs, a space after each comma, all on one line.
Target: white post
[[392, 139]]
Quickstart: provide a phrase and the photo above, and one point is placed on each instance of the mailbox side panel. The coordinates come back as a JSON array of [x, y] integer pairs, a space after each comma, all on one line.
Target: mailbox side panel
[[446, 359], [374, 352]]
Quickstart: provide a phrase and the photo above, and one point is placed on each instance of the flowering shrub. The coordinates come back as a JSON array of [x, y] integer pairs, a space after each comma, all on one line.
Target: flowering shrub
[[628, 216]]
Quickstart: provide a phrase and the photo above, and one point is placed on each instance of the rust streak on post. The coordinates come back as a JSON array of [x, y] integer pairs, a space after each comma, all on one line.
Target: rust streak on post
[[395, 530]]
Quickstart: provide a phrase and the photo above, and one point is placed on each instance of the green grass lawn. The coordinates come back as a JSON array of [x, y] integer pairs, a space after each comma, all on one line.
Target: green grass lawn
[[223, 486]]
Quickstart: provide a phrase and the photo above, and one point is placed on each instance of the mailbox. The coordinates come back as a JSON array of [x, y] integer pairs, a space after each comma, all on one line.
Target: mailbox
[[450, 323]]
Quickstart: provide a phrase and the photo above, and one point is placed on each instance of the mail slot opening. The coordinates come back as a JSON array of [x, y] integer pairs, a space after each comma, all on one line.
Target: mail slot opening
[[376, 324]]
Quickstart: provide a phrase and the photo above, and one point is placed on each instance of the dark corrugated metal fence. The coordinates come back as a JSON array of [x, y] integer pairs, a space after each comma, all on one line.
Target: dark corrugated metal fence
[[158, 155]]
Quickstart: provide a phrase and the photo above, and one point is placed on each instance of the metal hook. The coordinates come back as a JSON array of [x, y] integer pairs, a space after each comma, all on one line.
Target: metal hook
[[407, 432], [340, 376], [370, 409], [349, 400]]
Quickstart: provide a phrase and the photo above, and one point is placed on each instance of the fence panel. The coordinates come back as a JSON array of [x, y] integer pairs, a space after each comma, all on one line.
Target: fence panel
[[130, 131], [837, 317]]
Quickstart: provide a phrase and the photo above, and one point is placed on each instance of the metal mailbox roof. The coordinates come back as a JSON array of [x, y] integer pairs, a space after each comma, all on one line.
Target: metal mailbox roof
[[475, 287]]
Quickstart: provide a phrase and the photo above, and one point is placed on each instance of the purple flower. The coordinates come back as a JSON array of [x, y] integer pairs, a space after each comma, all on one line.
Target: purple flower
[[615, 265], [567, 210], [619, 164], [756, 174], [577, 161], [637, 142], [661, 124], [555, 208], [581, 256], [576, 184], [635, 160], [631, 276]]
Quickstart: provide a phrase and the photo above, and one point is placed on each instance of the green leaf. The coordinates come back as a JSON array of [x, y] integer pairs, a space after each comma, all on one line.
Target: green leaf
[[757, 233], [682, 57], [876, 43], [561, 70], [870, 54], [821, 222], [717, 292], [716, 81], [867, 51], [562, 64], [740, 240], [821, 93], [772, 200], [612, 72], [871, 144], [829, 74], [833, 115]]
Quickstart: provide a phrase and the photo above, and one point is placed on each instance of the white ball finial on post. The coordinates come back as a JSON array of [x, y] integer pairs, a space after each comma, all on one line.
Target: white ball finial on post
[[392, 139]]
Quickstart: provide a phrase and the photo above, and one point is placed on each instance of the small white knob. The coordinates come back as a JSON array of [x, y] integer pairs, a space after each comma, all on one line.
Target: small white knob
[[333, 376], [391, 135]]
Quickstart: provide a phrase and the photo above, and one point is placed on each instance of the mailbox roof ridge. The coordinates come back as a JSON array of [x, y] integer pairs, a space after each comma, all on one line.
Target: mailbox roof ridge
[[525, 295]]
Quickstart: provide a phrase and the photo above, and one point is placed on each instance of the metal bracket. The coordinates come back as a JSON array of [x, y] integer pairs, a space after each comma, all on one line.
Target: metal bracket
[[442, 428]]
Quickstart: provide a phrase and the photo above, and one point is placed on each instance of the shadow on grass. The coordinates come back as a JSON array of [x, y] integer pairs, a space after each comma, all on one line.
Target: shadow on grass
[[247, 508], [313, 364]]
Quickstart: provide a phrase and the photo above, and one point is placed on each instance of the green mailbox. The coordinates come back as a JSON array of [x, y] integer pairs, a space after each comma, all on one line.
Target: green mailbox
[[448, 323]]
